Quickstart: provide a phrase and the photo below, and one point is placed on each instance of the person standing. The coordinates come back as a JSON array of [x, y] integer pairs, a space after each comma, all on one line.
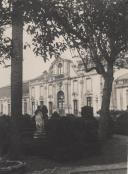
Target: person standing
[[39, 119], [45, 114]]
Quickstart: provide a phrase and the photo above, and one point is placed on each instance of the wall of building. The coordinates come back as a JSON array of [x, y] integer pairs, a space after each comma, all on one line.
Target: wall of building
[[75, 90], [65, 89], [5, 106], [122, 96]]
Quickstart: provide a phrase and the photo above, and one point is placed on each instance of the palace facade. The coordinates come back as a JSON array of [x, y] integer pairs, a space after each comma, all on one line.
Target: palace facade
[[65, 88], [121, 88], [5, 99]]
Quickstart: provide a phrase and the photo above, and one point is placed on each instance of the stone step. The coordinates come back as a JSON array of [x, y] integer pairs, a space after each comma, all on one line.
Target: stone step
[[40, 134], [45, 171]]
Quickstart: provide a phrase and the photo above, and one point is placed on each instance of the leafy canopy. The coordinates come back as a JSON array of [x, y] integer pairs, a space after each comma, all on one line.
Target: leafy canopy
[[97, 29]]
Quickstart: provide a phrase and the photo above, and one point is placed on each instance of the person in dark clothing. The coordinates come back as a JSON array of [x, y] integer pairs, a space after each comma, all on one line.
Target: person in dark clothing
[[45, 114]]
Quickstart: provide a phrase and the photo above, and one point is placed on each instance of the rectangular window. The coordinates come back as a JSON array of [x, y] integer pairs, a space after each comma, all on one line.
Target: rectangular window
[[50, 108], [9, 109], [89, 101], [41, 103], [120, 82], [2, 108], [75, 104], [60, 68], [75, 86], [33, 92], [41, 91], [25, 107], [33, 108], [121, 100], [127, 98], [50, 90], [89, 84]]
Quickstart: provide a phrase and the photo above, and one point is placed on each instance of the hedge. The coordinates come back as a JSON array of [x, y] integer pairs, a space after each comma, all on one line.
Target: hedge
[[25, 128], [72, 137], [121, 123]]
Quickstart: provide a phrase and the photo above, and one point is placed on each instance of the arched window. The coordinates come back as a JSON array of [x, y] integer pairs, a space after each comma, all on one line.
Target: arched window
[[60, 68], [60, 99]]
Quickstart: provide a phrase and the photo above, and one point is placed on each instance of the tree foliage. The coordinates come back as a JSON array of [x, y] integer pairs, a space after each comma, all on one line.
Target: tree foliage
[[97, 29], [45, 35]]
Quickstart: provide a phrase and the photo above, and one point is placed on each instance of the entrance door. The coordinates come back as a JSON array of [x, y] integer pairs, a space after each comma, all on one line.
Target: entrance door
[[60, 101], [50, 108], [33, 108], [75, 104]]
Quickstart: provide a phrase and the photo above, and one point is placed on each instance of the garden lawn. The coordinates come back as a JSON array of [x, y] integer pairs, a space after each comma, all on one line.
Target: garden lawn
[[114, 151]]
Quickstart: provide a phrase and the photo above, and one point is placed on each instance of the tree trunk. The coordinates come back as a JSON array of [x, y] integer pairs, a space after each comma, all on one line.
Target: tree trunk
[[16, 61], [16, 78], [104, 127]]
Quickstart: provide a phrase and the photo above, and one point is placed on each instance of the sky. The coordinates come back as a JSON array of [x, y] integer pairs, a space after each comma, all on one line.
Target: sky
[[34, 66]]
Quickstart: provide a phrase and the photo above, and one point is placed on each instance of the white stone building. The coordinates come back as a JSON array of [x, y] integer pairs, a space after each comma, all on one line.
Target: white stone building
[[65, 88], [5, 102], [121, 88]]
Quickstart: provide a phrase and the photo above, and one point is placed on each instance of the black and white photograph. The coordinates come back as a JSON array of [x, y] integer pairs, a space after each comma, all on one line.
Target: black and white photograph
[[63, 86]]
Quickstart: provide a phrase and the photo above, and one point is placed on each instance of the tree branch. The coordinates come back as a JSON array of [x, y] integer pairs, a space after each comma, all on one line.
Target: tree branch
[[85, 63], [62, 21]]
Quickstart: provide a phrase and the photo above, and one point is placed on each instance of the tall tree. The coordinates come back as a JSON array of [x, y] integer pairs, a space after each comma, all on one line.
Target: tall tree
[[16, 14], [98, 29], [16, 59]]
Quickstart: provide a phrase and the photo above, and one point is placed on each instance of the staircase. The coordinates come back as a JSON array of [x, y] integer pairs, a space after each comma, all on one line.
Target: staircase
[[40, 134], [38, 144]]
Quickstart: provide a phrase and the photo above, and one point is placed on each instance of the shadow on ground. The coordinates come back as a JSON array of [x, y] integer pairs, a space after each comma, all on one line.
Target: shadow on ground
[[114, 151]]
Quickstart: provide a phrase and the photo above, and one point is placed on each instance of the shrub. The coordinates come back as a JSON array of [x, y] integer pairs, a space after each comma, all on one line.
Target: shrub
[[55, 115], [114, 114], [70, 115], [72, 138], [121, 123], [25, 128], [26, 125], [87, 112]]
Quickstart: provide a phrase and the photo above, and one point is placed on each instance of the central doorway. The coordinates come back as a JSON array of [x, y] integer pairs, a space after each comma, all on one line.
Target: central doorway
[[60, 102]]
